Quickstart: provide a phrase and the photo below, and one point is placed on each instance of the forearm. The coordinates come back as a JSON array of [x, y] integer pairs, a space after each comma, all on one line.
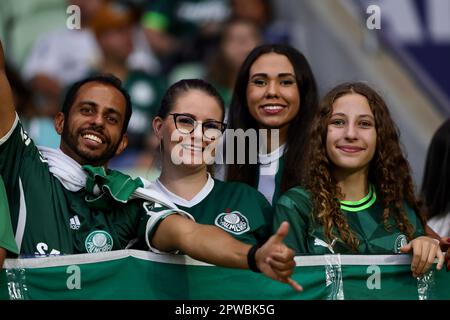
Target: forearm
[[2, 256], [7, 111], [202, 242]]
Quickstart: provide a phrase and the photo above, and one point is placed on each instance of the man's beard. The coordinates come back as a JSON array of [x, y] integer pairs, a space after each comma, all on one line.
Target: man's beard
[[88, 157]]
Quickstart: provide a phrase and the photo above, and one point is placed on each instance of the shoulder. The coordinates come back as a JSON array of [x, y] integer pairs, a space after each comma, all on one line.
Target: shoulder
[[237, 188], [295, 195]]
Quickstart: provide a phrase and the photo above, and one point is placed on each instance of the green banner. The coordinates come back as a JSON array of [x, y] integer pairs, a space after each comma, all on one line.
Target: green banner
[[132, 274]]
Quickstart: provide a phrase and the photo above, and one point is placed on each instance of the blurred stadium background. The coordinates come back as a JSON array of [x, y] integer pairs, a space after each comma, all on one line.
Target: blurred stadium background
[[407, 59]]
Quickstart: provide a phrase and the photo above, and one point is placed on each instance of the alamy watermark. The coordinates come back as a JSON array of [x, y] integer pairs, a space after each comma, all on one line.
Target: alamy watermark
[[374, 20], [73, 21], [233, 147]]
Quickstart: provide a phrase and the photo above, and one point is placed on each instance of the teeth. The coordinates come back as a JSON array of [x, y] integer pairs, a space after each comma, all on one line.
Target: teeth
[[93, 138], [273, 107]]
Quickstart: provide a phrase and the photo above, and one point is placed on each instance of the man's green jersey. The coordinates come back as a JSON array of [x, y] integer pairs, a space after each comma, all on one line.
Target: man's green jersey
[[364, 217], [7, 240], [235, 207], [49, 219]]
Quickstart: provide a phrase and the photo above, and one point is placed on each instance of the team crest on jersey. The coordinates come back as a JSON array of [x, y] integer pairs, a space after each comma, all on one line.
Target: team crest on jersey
[[233, 222], [98, 241], [400, 242]]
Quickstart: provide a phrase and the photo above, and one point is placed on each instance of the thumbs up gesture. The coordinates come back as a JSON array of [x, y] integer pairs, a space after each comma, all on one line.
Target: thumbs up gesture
[[276, 260]]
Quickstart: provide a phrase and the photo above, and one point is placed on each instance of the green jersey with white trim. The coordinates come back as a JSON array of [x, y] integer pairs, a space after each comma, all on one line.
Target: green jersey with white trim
[[232, 206], [49, 219], [364, 218], [7, 240]]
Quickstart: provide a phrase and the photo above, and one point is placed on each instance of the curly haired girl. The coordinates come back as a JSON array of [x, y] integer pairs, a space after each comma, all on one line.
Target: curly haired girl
[[358, 194]]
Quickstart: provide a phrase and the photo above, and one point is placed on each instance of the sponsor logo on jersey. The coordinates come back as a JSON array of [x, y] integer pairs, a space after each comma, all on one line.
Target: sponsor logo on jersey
[[400, 242], [152, 207], [98, 241], [233, 222], [74, 223], [320, 243]]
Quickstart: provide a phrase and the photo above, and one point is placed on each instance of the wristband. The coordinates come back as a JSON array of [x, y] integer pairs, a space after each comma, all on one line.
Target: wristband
[[251, 260]]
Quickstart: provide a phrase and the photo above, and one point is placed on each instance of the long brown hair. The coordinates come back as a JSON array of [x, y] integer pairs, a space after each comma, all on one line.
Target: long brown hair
[[389, 170], [239, 116]]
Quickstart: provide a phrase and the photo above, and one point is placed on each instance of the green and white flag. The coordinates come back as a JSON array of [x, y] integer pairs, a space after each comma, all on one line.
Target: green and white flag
[[133, 274]]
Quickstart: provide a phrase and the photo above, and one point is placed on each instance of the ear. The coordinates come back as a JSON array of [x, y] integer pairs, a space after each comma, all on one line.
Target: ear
[[59, 122], [122, 145], [157, 127]]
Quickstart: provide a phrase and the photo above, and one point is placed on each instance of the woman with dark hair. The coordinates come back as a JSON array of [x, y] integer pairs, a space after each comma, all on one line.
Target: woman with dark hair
[[358, 194], [436, 181], [275, 89], [188, 126]]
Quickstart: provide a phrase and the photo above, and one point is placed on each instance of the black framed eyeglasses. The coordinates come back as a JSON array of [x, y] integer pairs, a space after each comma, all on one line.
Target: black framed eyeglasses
[[185, 124]]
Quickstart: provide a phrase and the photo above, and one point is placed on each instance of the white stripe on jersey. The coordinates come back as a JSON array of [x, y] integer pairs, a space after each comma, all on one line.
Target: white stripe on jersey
[[22, 217]]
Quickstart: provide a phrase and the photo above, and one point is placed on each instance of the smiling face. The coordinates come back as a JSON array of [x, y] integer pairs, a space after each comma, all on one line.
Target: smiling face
[[351, 137], [92, 132], [188, 148], [272, 93]]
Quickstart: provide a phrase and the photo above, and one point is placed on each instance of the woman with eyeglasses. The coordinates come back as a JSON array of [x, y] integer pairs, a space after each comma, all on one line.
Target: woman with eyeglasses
[[189, 125]]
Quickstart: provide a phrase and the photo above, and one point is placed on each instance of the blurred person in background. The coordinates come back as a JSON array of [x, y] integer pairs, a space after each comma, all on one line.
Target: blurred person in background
[[65, 55], [183, 30], [61, 57], [262, 14], [436, 181], [113, 25], [37, 123], [237, 39]]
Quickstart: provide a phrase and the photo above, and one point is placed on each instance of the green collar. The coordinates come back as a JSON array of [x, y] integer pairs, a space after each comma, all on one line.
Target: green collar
[[362, 204]]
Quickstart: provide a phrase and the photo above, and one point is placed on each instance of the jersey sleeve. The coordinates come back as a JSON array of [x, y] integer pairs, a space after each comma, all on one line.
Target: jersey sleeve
[[7, 240], [156, 213], [294, 207], [16, 147]]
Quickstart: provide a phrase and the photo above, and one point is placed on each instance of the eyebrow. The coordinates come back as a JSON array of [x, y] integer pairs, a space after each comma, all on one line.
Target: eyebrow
[[359, 116], [109, 110], [195, 118], [261, 74]]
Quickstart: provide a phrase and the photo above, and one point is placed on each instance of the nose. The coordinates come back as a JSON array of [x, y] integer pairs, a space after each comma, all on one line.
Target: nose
[[351, 132], [97, 119], [272, 89], [197, 134]]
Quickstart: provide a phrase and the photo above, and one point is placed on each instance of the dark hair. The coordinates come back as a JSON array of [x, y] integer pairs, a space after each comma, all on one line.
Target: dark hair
[[389, 170], [436, 180], [239, 116], [183, 86], [107, 79]]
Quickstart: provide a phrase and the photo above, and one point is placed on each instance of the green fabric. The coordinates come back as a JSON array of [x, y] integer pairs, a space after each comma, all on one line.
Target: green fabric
[[277, 194], [6, 234], [306, 236], [113, 185], [235, 197], [55, 220], [132, 274]]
